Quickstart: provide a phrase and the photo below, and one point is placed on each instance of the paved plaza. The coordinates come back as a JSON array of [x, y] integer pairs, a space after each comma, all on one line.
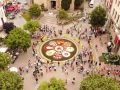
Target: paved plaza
[[70, 72], [29, 81]]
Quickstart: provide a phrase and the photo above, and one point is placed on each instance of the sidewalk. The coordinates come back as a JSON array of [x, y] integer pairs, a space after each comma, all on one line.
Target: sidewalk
[[19, 21]]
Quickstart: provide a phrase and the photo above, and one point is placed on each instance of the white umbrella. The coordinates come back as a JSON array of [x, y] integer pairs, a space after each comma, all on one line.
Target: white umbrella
[[109, 43], [50, 13], [3, 49], [14, 69]]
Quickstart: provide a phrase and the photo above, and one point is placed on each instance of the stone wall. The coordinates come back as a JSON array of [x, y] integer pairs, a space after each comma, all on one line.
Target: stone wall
[[39, 2]]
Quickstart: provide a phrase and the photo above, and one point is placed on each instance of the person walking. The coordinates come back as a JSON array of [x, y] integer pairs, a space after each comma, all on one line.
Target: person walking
[[73, 80]]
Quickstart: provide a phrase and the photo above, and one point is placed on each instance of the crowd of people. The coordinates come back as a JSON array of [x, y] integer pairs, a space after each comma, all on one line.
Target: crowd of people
[[111, 70], [83, 63]]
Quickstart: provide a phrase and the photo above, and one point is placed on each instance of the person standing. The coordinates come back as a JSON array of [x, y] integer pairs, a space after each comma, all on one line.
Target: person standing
[[36, 79], [29, 64], [73, 80], [58, 63], [33, 49]]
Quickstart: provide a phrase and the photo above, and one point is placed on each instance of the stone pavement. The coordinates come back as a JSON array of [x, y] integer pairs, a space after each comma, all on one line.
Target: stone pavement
[[29, 82], [50, 20], [19, 21]]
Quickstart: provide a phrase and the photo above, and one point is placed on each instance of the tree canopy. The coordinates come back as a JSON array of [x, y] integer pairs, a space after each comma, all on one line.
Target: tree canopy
[[35, 10], [62, 14], [18, 39], [5, 59], [8, 26], [98, 17], [65, 4], [31, 26], [98, 82], [54, 84], [78, 3], [10, 81]]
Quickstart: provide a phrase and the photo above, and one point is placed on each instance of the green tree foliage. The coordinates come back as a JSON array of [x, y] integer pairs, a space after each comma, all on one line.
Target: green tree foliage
[[98, 82], [98, 17], [44, 86], [18, 39], [78, 3], [62, 14], [10, 81], [31, 26], [5, 59], [54, 84], [35, 10], [65, 4]]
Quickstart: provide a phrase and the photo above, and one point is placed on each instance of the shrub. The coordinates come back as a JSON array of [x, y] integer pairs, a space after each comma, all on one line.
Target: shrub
[[26, 15], [31, 26], [35, 10], [62, 14]]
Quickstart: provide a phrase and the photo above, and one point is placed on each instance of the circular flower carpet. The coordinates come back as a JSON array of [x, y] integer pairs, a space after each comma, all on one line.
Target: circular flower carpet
[[58, 49]]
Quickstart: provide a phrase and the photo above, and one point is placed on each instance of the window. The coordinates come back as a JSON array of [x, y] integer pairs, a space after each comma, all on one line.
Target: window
[[118, 3], [115, 15], [118, 19], [113, 12], [111, 1]]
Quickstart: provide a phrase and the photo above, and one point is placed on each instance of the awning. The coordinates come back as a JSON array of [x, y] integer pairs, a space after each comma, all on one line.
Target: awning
[[119, 37], [3, 49], [13, 69]]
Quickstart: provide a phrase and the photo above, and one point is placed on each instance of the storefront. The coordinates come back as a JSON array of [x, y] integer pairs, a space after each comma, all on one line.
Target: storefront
[[117, 43], [115, 33]]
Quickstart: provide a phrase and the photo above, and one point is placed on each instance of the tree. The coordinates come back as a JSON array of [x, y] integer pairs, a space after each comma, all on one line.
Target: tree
[[18, 39], [98, 82], [54, 84], [78, 3], [98, 17], [62, 14], [42, 7], [35, 10], [5, 59], [10, 81], [65, 4], [43, 86], [31, 26], [8, 26]]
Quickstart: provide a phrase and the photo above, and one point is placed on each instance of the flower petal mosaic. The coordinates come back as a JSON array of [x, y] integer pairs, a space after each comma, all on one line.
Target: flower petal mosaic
[[58, 49]]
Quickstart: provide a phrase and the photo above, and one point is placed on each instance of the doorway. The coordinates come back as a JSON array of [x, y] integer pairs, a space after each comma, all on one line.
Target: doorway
[[53, 4]]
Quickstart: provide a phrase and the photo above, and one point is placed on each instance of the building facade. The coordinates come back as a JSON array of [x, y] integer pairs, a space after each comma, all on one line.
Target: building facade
[[108, 4], [113, 7], [52, 4], [2, 15]]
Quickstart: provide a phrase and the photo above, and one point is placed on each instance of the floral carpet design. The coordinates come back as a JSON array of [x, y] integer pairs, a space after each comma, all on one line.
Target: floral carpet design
[[59, 49]]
